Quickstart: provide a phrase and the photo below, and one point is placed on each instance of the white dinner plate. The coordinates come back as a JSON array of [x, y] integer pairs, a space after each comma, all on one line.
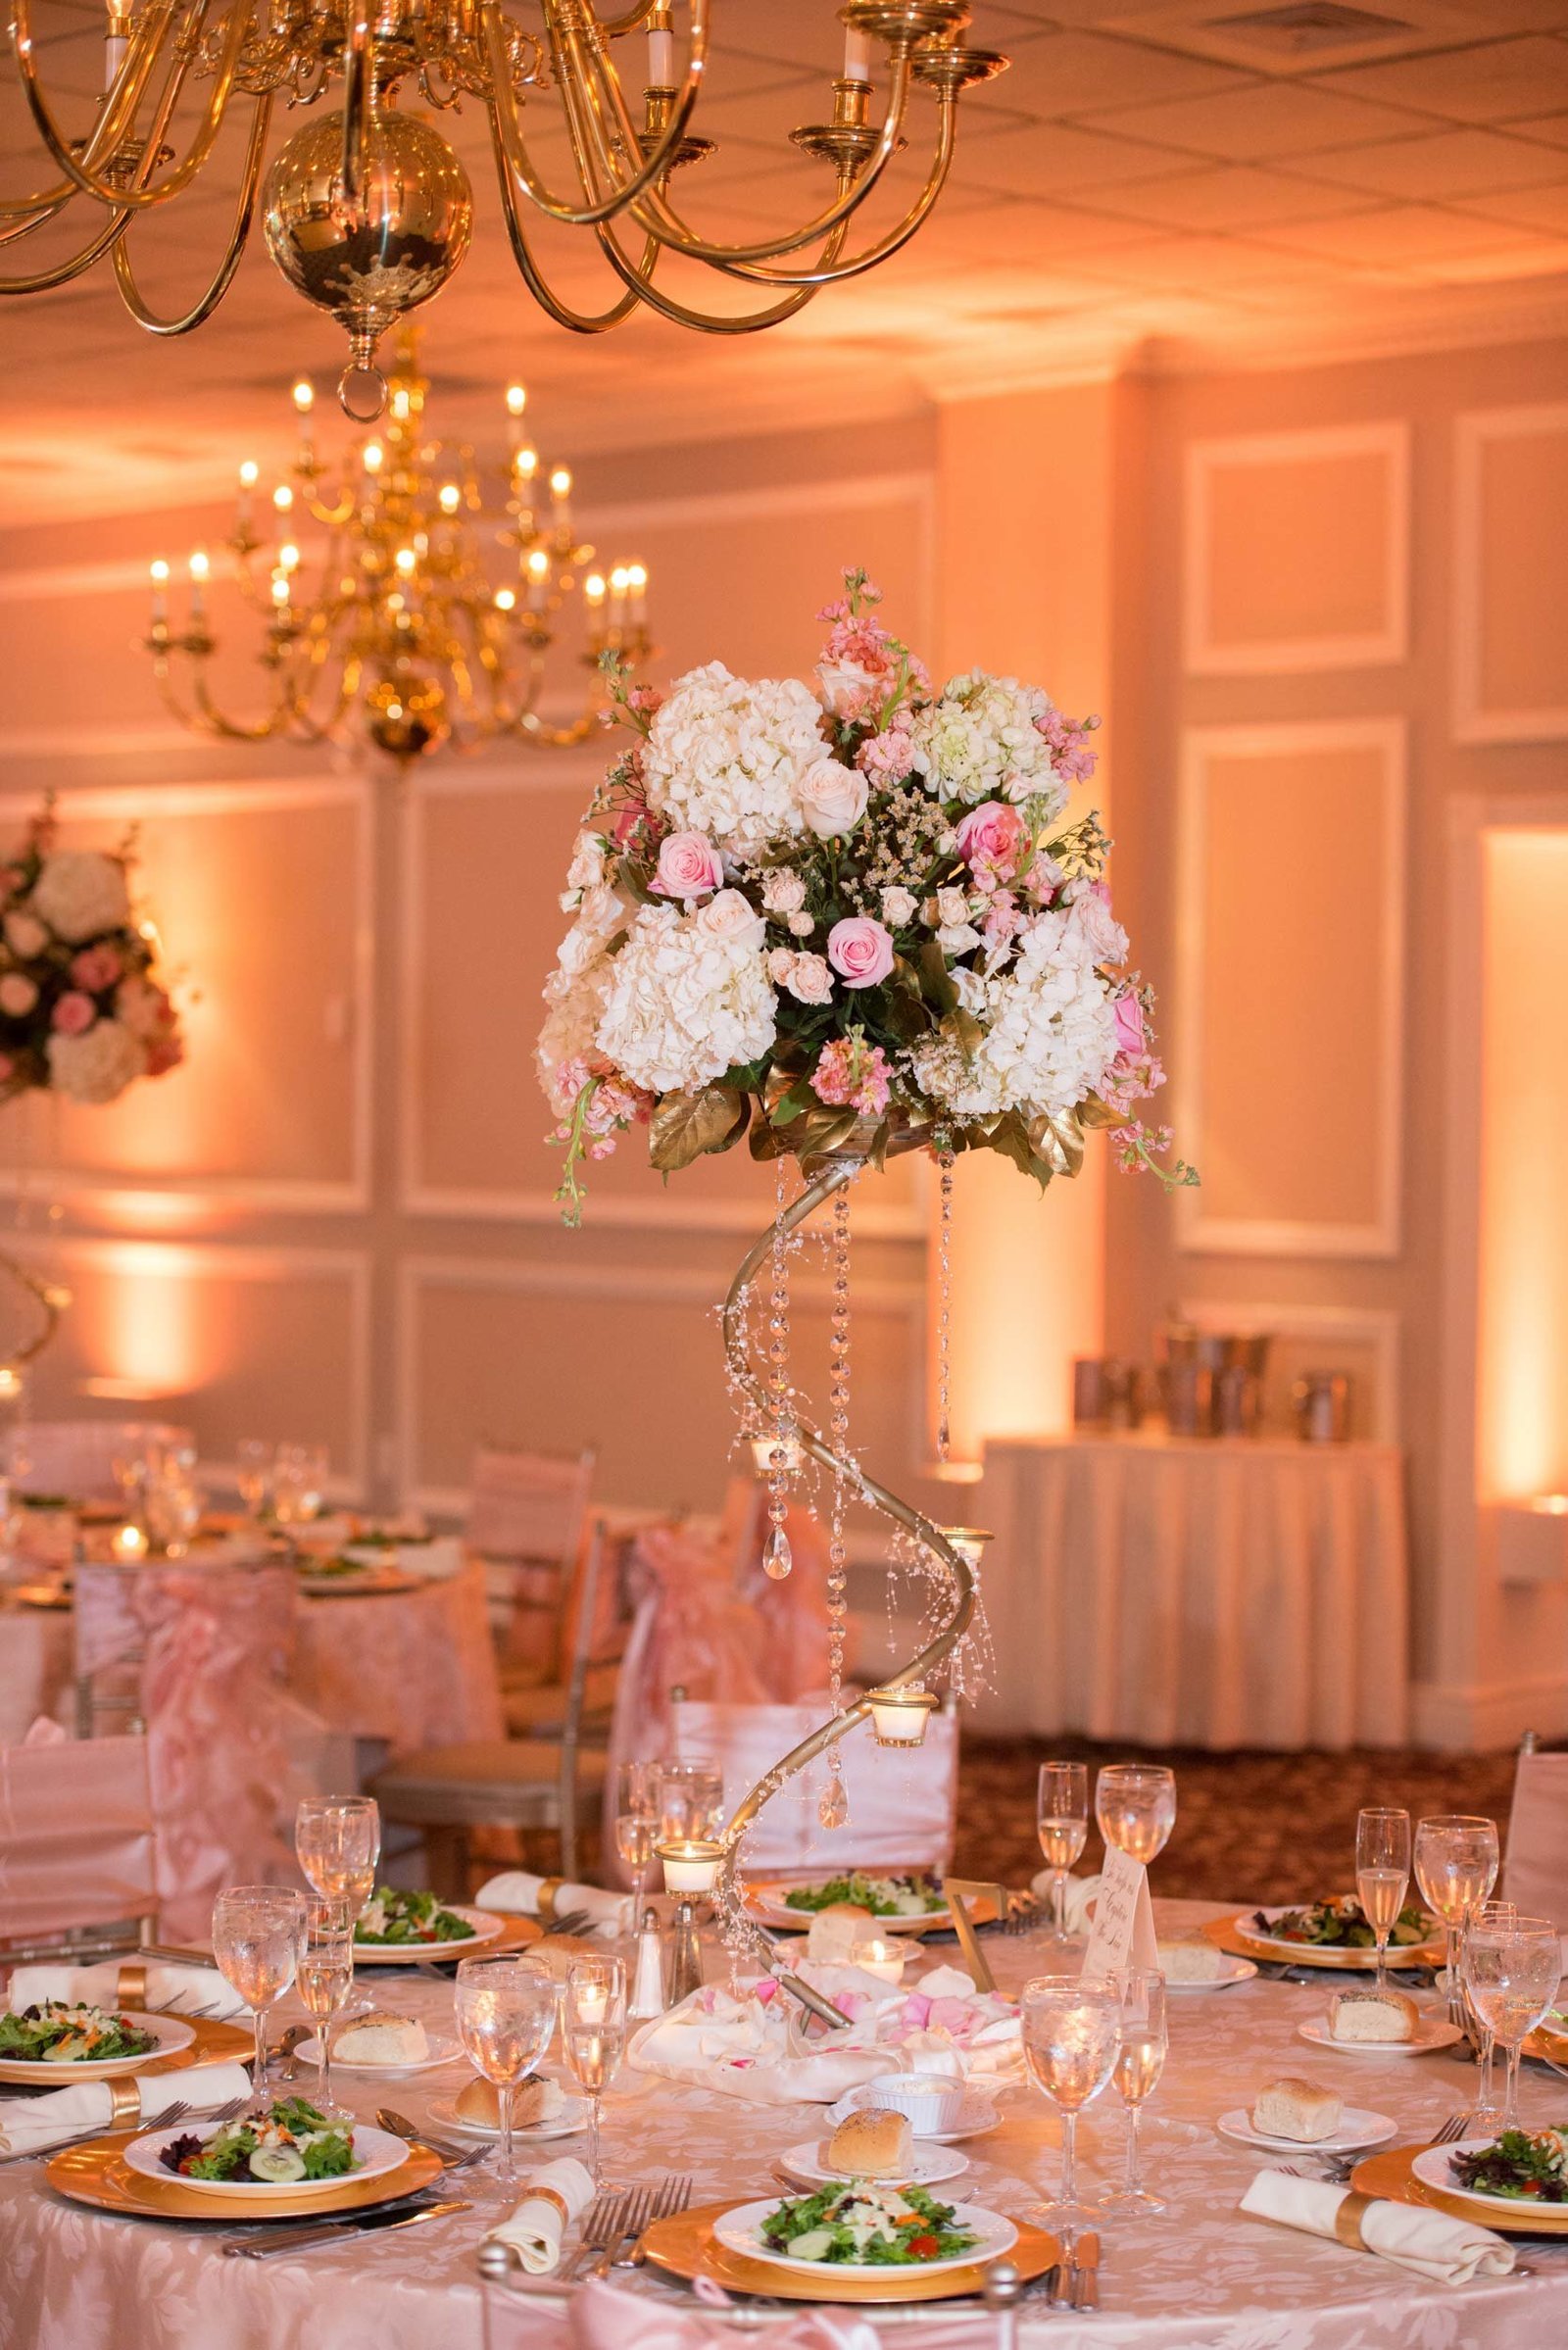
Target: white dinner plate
[[978, 2115], [1241, 1970], [443, 2051], [1327, 1955], [1430, 2033], [487, 1928], [767, 1899], [740, 2231], [1356, 2132], [378, 2154], [1432, 2167], [171, 2033], [931, 2166], [573, 2116]]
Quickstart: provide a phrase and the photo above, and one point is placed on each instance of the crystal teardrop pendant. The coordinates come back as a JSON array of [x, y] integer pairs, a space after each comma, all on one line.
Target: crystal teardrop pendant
[[778, 1557], [833, 1810]]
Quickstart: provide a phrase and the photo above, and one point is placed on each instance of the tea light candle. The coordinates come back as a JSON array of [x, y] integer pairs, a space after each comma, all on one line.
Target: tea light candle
[[691, 1864], [129, 1542], [899, 1716], [879, 1957]]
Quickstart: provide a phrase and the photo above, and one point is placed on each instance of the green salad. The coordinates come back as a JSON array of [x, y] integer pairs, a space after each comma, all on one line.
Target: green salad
[[294, 2142], [868, 2226], [911, 1896], [395, 1916], [1526, 2164], [1340, 1924], [56, 2033]]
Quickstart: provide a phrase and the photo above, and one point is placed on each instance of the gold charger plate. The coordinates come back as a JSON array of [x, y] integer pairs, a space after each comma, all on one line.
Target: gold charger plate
[[96, 2173], [760, 1900], [1388, 2174], [214, 2043], [684, 2246], [1229, 1935]]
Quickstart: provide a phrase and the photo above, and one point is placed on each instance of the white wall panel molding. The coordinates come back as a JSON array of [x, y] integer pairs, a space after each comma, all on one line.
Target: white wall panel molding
[[1475, 720]]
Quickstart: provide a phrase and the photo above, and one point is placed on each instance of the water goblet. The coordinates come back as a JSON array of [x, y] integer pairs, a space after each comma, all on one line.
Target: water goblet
[[1381, 1874], [1487, 2112], [505, 2013], [337, 1839], [594, 2025], [1141, 2040], [325, 1984], [1061, 1821], [1455, 1868], [1512, 1966], [690, 1798], [1135, 1804], [258, 1930], [1071, 2031], [299, 1484]]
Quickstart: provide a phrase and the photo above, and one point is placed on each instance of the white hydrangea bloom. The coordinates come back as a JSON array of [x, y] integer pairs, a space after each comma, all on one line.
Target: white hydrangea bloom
[[81, 892], [575, 1000], [685, 1001], [724, 755], [980, 742], [1050, 1030], [98, 1066]]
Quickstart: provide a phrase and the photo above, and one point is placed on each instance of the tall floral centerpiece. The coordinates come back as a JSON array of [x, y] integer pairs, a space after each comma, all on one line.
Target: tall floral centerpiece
[[839, 921]]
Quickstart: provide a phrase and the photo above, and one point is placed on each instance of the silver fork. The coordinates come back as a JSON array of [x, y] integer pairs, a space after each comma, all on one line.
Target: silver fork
[[1457, 2126], [674, 2195], [601, 2226], [633, 2220], [1021, 1916], [80, 2137]]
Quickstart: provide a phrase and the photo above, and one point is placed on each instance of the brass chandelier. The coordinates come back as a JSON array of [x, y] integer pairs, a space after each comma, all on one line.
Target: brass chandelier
[[367, 210], [395, 631]]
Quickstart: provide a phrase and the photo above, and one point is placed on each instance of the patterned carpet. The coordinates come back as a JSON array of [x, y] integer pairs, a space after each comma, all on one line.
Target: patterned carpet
[[1249, 1827]]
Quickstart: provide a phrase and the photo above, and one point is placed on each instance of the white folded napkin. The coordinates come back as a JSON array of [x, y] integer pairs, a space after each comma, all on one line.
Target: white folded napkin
[[1081, 1893], [1428, 2244], [28, 2124], [552, 2198], [516, 1893], [182, 1989]]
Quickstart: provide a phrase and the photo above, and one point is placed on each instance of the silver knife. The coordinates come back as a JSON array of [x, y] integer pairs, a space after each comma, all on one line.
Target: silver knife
[[328, 2232], [1086, 2271], [175, 1954]]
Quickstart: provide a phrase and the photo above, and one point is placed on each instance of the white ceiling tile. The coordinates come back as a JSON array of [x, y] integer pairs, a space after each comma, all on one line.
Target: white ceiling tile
[[1410, 233], [1263, 121], [1230, 200], [1060, 160], [1075, 73], [1550, 128], [1544, 207], [1484, 83], [1448, 165]]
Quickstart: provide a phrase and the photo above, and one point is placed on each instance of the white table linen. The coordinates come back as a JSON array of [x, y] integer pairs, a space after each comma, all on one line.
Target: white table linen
[[1430, 2243], [35, 2124]]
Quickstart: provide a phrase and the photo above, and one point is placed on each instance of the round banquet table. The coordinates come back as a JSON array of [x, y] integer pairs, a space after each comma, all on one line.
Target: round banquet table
[[1197, 2277]]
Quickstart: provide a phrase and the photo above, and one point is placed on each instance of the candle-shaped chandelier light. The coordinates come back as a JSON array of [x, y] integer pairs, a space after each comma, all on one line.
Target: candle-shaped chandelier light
[[391, 606], [367, 211]]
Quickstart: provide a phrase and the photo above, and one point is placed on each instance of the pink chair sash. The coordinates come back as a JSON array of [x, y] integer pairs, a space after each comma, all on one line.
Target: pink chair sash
[[903, 1805], [1534, 1873], [603, 2318], [77, 1845]]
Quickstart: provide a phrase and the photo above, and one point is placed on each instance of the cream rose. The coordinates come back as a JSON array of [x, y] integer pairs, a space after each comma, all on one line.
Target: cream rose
[[732, 917], [832, 799], [18, 995], [80, 892]]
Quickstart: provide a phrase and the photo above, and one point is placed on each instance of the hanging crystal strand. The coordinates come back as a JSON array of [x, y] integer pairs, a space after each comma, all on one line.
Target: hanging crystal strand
[[777, 1559], [943, 1294], [834, 1808]]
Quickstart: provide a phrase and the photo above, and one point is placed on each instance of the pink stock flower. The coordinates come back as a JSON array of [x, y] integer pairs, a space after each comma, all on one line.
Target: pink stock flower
[[1002, 920], [887, 757], [645, 700], [851, 1074], [97, 967], [73, 1014], [860, 951], [689, 866], [1068, 738], [992, 840]]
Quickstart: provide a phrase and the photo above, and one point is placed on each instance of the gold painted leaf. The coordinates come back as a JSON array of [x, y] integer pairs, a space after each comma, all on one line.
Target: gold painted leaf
[[685, 1125]]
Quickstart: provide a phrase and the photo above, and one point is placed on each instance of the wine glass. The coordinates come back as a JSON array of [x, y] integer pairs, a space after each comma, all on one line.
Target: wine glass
[[634, 1844], [256, 1933], [690, 1799], [506, 2012], [337, 1839], [594, 2024], [325, 1984], [1455, 1868], [299, 1484], [637, 1789], [1513, 1966], [1135, 1804], [1141, 2040], [1487, 2112], [1071, 2031], [253, 1465], [1381, 1874], [1061, 1818]]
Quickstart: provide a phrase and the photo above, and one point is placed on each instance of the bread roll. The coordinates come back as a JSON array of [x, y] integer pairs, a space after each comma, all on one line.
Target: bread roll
[[533, 2102], [1192, 1962], [835, 1931], [872, 2144], [1296, 2109], [380, 2039], [1373, 2016]]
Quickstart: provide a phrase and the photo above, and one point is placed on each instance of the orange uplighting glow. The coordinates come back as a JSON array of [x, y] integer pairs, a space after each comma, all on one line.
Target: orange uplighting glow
[[141, 1323]]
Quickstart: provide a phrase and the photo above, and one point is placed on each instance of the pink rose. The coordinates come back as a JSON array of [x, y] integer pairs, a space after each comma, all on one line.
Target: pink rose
[[808, 979], [860, 951], [689, 866], [96, 967], [992, 840], [1129, 1013], [73, 1014]]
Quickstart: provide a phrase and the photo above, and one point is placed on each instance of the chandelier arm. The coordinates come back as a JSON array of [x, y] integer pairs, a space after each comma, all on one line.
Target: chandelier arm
[[507, 123], [25, 223], [756, 273], [204, 307], [681, 315], [203, 716], [615, 27], [575, 320], [43, 280], [119, 108]]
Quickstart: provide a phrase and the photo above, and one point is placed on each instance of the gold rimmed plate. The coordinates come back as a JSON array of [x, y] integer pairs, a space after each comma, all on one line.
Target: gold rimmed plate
[[170, 2036], [98, 2174], [766, 1897], [1392, 2175], [203, 2041], [687, 2246], [1234, 1936]]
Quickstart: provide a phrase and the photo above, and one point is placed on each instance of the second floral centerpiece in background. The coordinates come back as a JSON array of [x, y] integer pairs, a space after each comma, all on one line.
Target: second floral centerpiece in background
[[845, 919]]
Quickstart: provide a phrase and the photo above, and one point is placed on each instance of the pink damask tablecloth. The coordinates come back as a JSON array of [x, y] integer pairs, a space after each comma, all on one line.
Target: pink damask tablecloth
[[1197, 2277]]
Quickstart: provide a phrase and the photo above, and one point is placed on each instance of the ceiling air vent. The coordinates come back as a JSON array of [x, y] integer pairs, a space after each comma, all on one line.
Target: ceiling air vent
[[1303, 31]]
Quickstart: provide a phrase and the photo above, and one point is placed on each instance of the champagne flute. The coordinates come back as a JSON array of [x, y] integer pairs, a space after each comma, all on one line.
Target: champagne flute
[[337, 1839], [1071, 2031], [1487, 2112], [256, 1933], [595, 2028], [1135, 1804], [1062, 1819], [1455, 1868], [299, 1484], [634, 1844], [1381, 1874], [253, 1463], [1513, 1966], [505, 2013], [1142, 2039], [325, 1985], [637, 1789]]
